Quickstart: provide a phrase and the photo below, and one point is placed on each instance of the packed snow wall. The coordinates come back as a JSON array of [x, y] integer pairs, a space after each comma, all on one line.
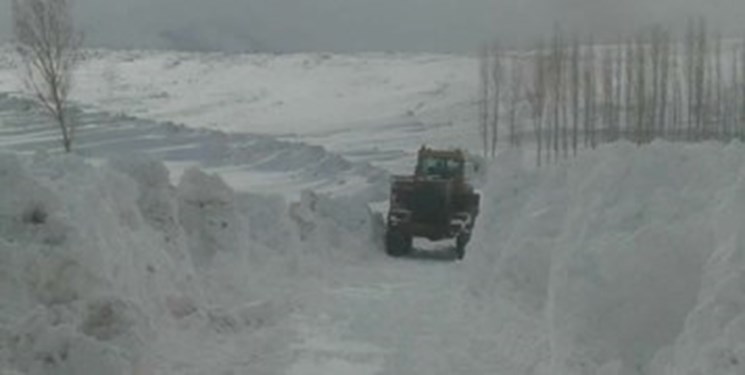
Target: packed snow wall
[[108, 270], [630, 259]]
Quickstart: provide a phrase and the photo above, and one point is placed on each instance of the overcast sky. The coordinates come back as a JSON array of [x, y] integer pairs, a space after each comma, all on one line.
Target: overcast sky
[[368, 25]]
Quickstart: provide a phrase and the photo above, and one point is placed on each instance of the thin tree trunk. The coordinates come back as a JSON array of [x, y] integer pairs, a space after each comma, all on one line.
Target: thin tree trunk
[[575, 88], [484, 100], [496, 79], [590, 91]]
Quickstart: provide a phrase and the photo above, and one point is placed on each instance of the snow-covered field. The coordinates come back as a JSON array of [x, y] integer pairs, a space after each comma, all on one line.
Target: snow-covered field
[[128, 259], [378, 108], [249, 162]]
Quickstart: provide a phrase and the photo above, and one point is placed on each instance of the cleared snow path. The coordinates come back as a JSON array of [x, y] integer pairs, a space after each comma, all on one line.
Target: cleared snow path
[[410, 316], [391, 317]]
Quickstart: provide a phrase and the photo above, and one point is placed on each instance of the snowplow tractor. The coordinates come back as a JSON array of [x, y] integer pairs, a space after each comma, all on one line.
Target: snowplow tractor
[[436, 203]]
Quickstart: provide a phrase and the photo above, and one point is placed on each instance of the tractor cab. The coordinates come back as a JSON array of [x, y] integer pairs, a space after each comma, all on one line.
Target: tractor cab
[[442, 164]]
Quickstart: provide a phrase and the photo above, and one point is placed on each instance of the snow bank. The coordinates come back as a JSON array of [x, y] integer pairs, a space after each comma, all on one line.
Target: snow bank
[[248, 162], [632, 258], [84, 279], [103, 266], [335, 226]]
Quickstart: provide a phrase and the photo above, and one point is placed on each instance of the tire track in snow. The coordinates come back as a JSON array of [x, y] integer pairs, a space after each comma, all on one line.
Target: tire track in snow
[[391, 316]]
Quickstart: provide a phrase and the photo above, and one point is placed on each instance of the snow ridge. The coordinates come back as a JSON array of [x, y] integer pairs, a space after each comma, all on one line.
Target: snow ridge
[[113, 269], [247, 161], [628, 256]]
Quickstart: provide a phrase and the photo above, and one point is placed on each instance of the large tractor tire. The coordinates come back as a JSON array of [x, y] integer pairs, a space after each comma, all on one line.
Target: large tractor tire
[[397, 243], [460, 245]]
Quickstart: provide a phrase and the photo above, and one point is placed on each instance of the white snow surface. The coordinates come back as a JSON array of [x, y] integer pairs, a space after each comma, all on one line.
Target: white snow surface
[[248, 162], [371, 107], [631, 258], [626, 260], [113, 270]]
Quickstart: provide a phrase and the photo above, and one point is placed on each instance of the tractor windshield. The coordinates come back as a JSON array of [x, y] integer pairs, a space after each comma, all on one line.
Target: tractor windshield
[[441, 167]]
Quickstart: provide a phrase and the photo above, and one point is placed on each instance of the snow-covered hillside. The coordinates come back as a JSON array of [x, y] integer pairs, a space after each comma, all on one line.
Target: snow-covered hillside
[[377, 108]]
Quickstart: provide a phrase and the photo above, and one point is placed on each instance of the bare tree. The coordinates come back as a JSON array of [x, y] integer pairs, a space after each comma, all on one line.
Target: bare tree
[[496, 101], [718, 88], [49, 46], [536, 95], [677, 92], [708, 128], [732, 100], [618, 82], [574, 88], [484, 99], [656, 56], [649, 86], [516, 95], [741, 116], [701, 47], [590, 92], [608, 92], [690, 77], [557, 94], [641, 90], [664, 82], [629, 85]]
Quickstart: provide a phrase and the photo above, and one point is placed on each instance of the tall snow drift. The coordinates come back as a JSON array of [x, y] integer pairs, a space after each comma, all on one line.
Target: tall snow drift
[[104, 269], [632, 258]]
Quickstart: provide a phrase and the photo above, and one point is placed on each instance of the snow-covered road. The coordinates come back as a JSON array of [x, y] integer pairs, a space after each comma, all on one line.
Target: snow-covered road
[[382, 319], [404, 316]]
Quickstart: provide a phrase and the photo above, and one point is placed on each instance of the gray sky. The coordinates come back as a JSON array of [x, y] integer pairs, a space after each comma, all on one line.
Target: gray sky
[[367, 25]]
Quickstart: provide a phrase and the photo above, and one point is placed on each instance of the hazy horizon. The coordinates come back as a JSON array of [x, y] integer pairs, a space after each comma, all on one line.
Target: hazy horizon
[[359, 25]]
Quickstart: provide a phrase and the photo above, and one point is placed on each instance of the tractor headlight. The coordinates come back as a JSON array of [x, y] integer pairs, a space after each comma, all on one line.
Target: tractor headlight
[[457, 224], [460, 221], [396, 217]]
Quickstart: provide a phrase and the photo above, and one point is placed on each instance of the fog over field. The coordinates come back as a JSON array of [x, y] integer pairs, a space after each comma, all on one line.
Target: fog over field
[[360, 25]]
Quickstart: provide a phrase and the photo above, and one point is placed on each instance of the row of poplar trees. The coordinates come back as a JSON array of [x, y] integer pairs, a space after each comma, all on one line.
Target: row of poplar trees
[[570, 93]]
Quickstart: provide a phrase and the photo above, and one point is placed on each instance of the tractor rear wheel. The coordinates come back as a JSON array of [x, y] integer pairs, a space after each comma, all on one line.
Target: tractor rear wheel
[[397, 242], [460, 245]]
